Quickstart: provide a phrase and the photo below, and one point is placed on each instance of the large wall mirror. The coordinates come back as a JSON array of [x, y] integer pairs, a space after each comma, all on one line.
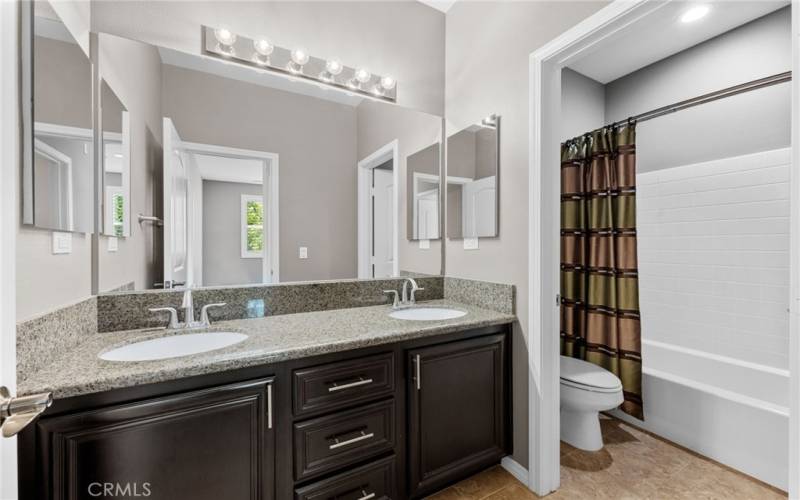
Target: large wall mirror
[[245, 177], [58, 166], [472, 175]]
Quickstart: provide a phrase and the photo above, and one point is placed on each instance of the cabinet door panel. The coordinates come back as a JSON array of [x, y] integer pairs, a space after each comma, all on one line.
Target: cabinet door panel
[[457, 410], [207, 444]]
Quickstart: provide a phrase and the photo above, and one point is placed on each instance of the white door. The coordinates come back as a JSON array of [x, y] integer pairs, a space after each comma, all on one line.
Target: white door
[[382, 223], [480, 208], [428, 215], [176, 223]]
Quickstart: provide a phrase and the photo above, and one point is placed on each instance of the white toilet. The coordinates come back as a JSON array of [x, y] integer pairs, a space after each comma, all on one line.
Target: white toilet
[[586, 390]]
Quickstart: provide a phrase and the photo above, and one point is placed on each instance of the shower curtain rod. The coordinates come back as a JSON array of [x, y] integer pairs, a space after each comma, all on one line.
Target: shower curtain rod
[[712, 96]]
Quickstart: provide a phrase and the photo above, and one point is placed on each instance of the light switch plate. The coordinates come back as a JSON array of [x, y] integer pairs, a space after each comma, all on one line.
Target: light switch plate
[[62, 242], [470, 243], [113, 244], [424, 244], [303, 252]]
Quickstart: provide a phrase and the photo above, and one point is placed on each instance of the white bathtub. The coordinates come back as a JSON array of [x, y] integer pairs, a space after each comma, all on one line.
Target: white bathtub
[[729, 410]]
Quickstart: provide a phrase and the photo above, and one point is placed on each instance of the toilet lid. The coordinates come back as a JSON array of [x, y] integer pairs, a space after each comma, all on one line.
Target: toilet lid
[[577, 372]]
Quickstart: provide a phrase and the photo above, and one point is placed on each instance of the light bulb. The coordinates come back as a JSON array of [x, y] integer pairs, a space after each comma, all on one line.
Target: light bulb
[[363, 75], [388, 83], [334, 66], [300, 56], [378, 90], [695, 13], [263, 46], [225, 37]]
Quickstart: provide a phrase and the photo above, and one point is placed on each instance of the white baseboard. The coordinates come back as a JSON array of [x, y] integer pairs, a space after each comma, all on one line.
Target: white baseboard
[[516, 470]]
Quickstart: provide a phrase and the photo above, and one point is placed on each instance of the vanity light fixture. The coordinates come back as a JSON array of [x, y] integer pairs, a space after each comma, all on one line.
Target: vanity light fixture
[[264, 49], [333, 67], [225, 40], [296, 64], [300, 58]]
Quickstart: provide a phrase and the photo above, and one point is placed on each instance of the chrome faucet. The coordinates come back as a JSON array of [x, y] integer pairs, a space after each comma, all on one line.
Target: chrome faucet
[[188, 313], [409, 295]]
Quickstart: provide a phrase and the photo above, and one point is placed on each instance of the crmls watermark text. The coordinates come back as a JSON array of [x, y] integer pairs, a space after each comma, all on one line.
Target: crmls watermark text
[[119, 490]]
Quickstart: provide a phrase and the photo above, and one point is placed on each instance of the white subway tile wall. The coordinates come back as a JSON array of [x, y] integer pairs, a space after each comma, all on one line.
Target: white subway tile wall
[[713, 241]]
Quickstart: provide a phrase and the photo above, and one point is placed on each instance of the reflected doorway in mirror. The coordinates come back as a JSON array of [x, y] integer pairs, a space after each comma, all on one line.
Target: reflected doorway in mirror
[[378, 213]]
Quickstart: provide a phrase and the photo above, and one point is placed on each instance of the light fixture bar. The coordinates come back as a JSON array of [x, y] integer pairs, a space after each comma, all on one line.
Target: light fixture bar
[[296, 64]]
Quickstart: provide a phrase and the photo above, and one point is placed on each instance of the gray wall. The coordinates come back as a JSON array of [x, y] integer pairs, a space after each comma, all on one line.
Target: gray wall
[[379, 124], [401, 38], [755, 121], [488, 49], [583, 104], [133, 70], [316, 143], [222, 255]]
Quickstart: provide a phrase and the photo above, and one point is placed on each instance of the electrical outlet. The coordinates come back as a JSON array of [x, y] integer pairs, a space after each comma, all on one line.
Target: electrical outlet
[[113, 244], [424, 244], [303, 252], [62, 242], [470, 243]]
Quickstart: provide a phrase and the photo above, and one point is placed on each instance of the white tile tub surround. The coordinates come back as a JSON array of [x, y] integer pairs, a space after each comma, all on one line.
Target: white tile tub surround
[[713, 241], [714, 256]]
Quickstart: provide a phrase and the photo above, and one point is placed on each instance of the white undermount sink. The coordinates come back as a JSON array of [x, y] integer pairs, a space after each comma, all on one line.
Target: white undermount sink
[[427, 313], [173, 346]]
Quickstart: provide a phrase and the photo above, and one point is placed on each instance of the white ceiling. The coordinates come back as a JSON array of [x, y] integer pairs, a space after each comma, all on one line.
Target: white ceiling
[[662, 34], [264, 78], [440, 5], [219, 168]]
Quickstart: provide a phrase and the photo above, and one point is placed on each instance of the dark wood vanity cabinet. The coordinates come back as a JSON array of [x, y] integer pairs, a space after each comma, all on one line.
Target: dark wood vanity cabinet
[[394, 421], [457, 410], [201, 445]]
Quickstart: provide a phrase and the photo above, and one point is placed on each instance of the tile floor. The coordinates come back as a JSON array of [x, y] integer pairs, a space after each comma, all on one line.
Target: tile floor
[[633, 465]]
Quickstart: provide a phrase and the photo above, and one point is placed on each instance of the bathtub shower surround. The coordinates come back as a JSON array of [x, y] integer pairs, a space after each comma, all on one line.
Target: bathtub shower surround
[[714, 269], [599, 275]]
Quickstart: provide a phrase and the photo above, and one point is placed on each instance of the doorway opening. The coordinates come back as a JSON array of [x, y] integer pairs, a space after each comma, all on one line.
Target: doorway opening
[[581, 50]]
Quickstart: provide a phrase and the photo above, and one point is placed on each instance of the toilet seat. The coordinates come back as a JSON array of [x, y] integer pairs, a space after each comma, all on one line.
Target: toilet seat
[[588, 376]]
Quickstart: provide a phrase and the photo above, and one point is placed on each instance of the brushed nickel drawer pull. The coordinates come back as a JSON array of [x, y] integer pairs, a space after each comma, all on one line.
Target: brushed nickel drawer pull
[[361, 381], [417, 373], [362, 437], [367, 496]]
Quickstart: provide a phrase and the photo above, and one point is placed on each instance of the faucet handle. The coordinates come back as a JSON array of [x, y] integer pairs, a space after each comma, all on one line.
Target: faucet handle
[[173, 315], [396, 300], [204, 320]]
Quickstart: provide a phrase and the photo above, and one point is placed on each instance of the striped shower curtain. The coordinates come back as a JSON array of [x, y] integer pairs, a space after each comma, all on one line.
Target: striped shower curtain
[[599, 275]]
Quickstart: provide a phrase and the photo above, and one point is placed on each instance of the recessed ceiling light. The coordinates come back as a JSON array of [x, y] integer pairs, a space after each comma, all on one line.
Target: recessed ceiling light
[[695, 13]]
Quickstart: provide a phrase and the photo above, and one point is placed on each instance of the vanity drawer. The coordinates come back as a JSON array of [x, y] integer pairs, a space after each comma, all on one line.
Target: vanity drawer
[[335, 385], [327, 443], [374, 481]]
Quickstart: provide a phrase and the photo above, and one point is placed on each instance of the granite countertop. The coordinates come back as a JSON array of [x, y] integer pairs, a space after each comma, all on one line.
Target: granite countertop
[[270, 340]]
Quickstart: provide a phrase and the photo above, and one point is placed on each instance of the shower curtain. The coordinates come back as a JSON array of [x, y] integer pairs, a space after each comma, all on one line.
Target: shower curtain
[[599, 278]]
